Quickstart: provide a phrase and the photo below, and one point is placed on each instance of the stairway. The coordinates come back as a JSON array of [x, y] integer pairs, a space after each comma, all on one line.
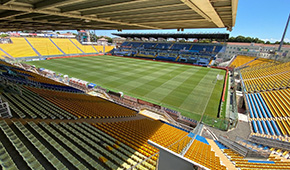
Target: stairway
[[76, 46], [32, 47], [177, 58], [57, 46], [7, 54]]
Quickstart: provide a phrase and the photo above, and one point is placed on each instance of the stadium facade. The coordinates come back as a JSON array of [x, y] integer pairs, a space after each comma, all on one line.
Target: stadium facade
[[256, 50]]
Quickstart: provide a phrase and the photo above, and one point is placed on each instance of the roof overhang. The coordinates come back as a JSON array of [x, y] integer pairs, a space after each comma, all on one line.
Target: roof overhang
[[217, 36], [116, 15]]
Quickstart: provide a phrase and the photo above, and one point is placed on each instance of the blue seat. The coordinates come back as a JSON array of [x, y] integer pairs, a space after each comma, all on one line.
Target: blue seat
[[254, 125]]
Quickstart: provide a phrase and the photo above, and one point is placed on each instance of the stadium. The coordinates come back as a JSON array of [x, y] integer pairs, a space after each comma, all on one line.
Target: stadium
[[150, 102]]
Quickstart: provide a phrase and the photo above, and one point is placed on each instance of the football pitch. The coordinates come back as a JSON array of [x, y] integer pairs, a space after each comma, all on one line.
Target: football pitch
[[189, 89]]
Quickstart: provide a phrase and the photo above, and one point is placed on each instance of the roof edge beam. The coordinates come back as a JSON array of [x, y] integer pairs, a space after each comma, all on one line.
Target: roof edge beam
[[234, 13], [206, 10]]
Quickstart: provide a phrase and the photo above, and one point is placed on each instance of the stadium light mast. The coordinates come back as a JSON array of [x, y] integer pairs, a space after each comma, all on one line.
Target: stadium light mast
[[283, 36]]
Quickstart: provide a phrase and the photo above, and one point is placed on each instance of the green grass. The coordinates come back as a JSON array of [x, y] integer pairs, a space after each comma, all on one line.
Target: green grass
[[189, 89]]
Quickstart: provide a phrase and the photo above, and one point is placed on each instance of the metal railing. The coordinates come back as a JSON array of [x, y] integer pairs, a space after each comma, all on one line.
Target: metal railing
[[4, 109]]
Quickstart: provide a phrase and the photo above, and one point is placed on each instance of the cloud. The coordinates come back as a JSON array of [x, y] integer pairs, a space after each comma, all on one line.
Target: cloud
[[287, 39], [272, 40]]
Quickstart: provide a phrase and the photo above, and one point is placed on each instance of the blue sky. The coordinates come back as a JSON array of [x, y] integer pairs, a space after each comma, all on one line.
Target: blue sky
[[265, 19]]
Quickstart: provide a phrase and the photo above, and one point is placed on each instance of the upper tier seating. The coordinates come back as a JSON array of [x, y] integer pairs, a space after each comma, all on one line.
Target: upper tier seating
[[241, 60], [262, 119], [259, 62], [271, 160], [270, 77], [266, 83]]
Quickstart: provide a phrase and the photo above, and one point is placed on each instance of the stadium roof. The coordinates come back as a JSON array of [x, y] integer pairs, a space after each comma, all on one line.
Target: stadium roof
[[118, 14], [219, 36]]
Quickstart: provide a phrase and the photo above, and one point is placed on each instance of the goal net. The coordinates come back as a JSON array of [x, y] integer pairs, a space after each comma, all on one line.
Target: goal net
[[219, 77]]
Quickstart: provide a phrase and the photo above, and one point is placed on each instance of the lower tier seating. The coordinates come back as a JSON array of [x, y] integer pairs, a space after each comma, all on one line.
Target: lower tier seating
[[27, 104], [83, 105], [136, 134], [271, 163], [65, 146], [201, 153], [270, 112]]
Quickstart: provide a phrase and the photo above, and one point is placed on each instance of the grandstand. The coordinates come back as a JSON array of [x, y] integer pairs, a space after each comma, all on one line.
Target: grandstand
[[195, 53], [52, 123], [265, 84], [19, 48], [37, 97], [115, 136], [120, 148]]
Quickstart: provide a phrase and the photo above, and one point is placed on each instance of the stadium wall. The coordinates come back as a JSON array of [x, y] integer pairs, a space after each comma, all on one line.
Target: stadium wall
[[73, 56], [19, 59]]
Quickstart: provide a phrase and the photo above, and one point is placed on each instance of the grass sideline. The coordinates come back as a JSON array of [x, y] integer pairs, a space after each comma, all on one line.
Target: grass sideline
[[189, 89]]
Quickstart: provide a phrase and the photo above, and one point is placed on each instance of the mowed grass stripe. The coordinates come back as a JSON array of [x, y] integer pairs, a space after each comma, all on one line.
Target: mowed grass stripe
[[180, 93], [168, 84], [157, 81], [141, 77], [194, 103]]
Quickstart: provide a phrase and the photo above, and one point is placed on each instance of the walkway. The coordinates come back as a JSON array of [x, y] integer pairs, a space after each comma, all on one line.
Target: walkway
[[105, 120], [220, 154]]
